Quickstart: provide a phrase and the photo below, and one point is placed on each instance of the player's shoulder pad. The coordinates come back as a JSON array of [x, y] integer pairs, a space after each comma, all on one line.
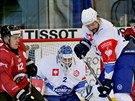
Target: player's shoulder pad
[[4, 53]]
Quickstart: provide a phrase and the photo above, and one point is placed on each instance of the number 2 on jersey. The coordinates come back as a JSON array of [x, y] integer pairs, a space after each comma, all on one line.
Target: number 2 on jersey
[[64, 79]]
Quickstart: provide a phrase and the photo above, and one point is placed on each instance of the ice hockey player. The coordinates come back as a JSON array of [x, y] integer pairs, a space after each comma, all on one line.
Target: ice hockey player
[[129, 34], [64, 77], [14, 68], [113, 49]]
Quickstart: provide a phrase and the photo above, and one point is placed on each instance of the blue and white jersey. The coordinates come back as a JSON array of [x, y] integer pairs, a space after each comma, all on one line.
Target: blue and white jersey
[[59, 80], [108, 43]]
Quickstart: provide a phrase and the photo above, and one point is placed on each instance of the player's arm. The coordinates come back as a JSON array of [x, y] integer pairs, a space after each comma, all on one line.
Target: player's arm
[[5, 73], [10, 86], [6, 79], [107, 49]]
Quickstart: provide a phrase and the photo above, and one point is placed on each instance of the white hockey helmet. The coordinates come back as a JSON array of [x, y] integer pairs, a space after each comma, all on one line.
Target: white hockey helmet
[[88, 16], [64, 56]]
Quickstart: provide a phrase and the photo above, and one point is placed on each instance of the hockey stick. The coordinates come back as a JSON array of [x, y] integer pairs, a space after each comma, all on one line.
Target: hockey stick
[[30, 88], [95, 76], [30, 84]]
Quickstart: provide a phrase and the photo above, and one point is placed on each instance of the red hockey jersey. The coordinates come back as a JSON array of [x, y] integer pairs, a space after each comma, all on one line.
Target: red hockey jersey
[[12, 70]]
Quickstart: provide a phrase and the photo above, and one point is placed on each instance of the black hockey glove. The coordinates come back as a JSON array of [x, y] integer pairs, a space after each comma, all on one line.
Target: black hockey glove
[[31, 68], [82, 48], [106, 89], [23, 96]]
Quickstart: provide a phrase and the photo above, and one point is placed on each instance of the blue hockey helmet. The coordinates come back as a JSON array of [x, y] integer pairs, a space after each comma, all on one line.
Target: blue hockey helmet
[[65, 55]]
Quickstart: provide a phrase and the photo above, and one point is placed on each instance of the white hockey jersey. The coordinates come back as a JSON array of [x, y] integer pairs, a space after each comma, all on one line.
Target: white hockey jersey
[[108, 43], [58, 80]]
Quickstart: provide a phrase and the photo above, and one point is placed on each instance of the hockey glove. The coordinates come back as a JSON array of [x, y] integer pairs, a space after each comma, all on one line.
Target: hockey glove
[[106, 89], [22, 96], [82, 48], [31, 68]]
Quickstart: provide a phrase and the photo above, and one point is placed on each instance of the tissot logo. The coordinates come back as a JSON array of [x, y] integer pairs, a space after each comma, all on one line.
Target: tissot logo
[[49, 33]]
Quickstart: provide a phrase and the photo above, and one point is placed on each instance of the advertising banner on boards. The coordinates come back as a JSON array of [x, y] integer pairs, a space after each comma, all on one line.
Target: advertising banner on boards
[[56, 33]]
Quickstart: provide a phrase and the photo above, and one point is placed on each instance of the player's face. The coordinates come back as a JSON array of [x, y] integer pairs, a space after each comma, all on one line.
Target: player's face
[[93, 26], [67, 60], [14, 41]]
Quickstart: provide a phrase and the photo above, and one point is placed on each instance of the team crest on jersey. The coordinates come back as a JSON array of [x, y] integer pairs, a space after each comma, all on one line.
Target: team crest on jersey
[[76, 73], [62, 89], [55, 72], [108, 52]]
